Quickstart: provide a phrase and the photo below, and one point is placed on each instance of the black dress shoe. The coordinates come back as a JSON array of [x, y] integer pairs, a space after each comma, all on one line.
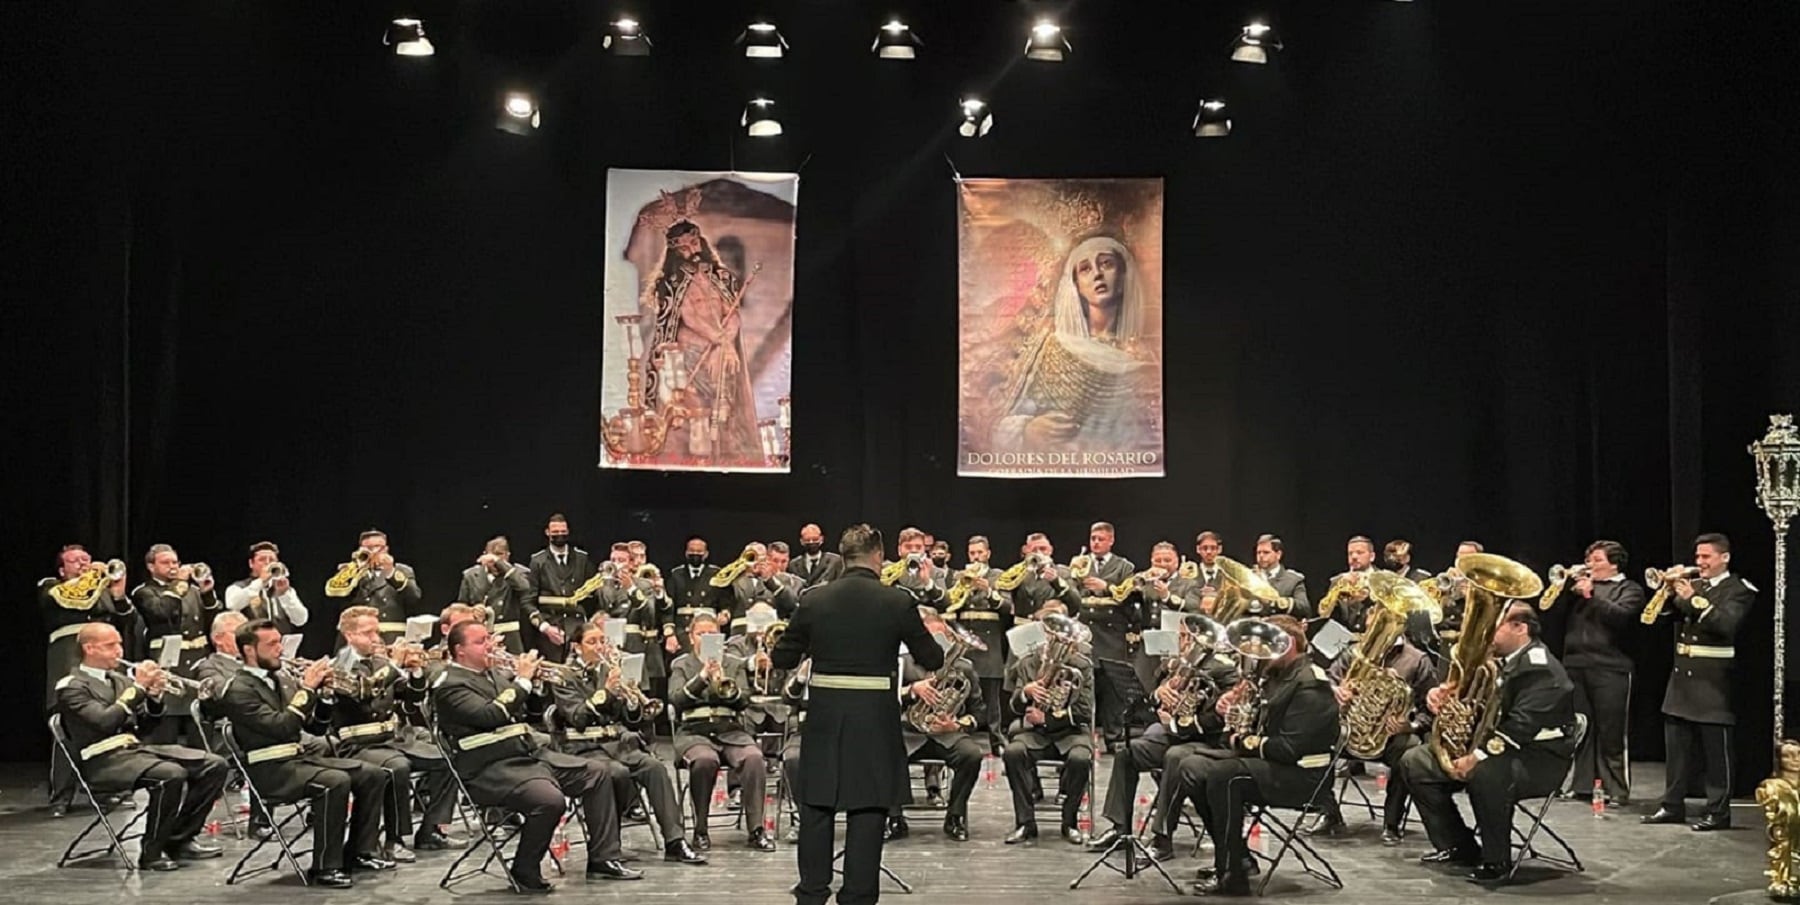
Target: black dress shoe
[[1490, 873], [1162, 848], [430, 842], [760, 841], [196, 850], [637, 812], [612, 870], [1391, 835], [1248, 868], [532, 882], [1074, 836], [1325, 825], [935, 800], [897, 828], [1664, 815], [1024, 835], [1709, 824], [702, 842], [1105, 840], [956, 828], [681, 852], [159, 863], [1228, 885], [330, 879], [1460, 857], [371, 861]]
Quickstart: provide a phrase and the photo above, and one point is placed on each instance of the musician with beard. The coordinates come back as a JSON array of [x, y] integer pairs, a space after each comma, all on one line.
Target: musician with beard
[[698, 311], [1044, 584], [1291, 585], [1351, 610], [177, 607], [918, 577], [1117, 627], [556, 572]]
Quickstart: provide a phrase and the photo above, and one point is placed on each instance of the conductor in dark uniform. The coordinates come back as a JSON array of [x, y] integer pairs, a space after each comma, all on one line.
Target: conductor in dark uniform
[[101, 713], [1697, 706], [556, 572], [1524, 757], [853, 758]]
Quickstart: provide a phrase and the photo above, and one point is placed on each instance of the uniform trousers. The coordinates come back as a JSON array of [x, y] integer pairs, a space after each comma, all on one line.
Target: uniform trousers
[[1711, 742], [1604, 695], [1494, 785]]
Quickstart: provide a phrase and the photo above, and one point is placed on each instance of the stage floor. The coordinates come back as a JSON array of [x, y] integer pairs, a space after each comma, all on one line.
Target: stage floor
[[1625, 863]]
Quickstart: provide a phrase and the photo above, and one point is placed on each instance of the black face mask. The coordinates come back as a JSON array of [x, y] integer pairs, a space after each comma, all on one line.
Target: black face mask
[[696, 559], [812, 548], [1395, 564], [559, 540], [940, 561]]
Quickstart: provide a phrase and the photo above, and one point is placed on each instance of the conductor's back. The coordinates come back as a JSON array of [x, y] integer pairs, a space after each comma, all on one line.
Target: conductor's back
[[852, 757]]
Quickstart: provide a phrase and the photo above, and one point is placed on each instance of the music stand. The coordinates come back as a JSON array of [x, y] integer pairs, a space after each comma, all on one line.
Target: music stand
[[905, 887], [1137, 854]]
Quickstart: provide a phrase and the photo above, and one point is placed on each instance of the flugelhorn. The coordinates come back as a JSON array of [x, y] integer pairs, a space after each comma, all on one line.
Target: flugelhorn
[[893, 571], [1662, 581], [734, 569], [1125, 588], [350, 574], [965, 585]]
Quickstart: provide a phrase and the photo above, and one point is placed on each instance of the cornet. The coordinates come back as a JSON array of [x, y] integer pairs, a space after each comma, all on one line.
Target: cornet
[[1560, 576], [275, 572], [1656, 578]]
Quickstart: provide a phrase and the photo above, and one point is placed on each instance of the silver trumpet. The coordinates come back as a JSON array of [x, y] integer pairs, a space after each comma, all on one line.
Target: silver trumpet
[[179, 683]]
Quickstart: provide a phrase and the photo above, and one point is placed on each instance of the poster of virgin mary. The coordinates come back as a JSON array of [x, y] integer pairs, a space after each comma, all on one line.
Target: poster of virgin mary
[[1060, 328]]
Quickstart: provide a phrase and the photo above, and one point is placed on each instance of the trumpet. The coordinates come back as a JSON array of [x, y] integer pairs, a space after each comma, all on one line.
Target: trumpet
[[1662, 581], [735, 569], [1560, 576], [198, 574], [181, 684], [351, 574], [893, 571], [1126, 587], [341, 682], [274, 572], [965, 585]]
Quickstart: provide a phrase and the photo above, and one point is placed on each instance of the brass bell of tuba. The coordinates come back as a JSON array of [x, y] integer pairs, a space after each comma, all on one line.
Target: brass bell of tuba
[[1240, 591], [1258, 644], [1379, 693]]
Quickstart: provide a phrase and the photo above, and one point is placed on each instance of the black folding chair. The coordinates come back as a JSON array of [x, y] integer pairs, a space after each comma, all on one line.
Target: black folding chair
[[116, 836], [495, 835], [553, 724], [300, 808], [689, 820], [1525, 851], [1265, 820]]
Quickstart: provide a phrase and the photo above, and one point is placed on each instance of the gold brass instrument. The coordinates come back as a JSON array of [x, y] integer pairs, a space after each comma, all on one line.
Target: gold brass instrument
[[199, 573], [1258, 643], [1022, 571], [965, 585], [762, 678], [549, 672], [897, 569], [1238, 586], [608, 571], [80, 592], [1441, 585], [1379, 693], [1194, 688], [1341, 584], [350, 574], [1560, 576], [1057, 675], [648, 572], [1467, 714], [1189, 570], [635, 699], [734, 569], [953, 686], [1125, 588], [1082, 565], [1662, 582]]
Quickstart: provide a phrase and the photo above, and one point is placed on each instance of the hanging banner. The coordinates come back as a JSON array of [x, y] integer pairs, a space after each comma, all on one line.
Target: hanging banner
[[1060, 328], [698, 342]]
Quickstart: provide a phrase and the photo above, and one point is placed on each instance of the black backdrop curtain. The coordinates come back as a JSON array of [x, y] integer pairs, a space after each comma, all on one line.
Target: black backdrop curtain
[[1518, 272]]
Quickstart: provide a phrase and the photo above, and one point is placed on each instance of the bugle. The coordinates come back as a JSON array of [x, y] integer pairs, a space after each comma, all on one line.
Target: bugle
[[1662, 581]]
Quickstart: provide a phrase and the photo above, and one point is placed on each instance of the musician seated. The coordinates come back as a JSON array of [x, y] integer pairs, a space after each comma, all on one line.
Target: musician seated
[[1524, 757], [711, 696], [482, 711], [1280, 741], [102, 714], [943, 729], [1054, 703], [1187, 686], [366, 724], [268, 710], [1407, 659], [216, 670], [597, 713]]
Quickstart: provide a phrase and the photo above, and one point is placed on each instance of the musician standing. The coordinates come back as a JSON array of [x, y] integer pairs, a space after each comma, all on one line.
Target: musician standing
[[388, 586], [1279, 762], [918, 577], [485, 714], [556, 572], [509, 595], [690, 591], [1044, 583], [67, 607], [1207, 573], [100, 708], [1117, 628], [1291, 585], [815, 565], [985, 612], [1603, 605], [760, 584], [268, 712], [946, 735], [1046, 727], [853, 758], [710, 697], [1524, 757], [175, 602], [1697, 709]]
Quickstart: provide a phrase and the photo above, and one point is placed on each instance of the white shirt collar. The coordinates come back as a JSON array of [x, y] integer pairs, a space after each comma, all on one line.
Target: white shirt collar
[[1617, 576], [1276, 570], [1515, 654], [258, 672], [96, 673]]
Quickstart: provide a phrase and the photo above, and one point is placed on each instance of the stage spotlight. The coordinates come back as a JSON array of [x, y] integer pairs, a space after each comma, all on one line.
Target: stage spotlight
[[763, 41], [626, 38], [895, 41], [1255, 43], [1047, 43], [977, 118], [519, 114], [1212, 120], [407, 37], [759, 118]]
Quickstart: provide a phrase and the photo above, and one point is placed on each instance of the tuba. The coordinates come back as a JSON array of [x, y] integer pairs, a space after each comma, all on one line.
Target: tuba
[[1193, 687], [952, 684], [1662, 582], [965, 585], [350, 574], [1380, 694], [1560, 577], [1468, 714], [1258, 643], [731, 571], [1057, 674], [1238, 588]]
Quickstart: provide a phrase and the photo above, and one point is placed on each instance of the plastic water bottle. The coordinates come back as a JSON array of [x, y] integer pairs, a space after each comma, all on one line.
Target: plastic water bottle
[[559, 844], [1143, 820], [987, 771], [1255, 839], [1381, 781], [769, 812], [1599, 801]]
